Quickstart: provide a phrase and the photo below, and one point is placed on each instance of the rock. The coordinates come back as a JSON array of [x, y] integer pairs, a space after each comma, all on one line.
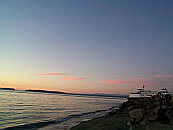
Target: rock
[[156, 103], [149, 118], [129, 123], [130, 108], [168, 97], [137, 114], [162, 117], [113, 112], [171, 101], [164, 107], [170, 107], [149, 106], [144, 121], [144, 111], [156, 110], [158, 126], [169, 115], [153, 117], [131, 128]]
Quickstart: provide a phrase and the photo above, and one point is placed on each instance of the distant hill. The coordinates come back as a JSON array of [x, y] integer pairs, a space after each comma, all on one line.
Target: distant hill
[[7, 88], [45, 91], [95, 95]]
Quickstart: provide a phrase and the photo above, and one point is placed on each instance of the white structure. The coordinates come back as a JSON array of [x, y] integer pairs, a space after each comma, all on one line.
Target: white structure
[[147, 93], [164, 90]]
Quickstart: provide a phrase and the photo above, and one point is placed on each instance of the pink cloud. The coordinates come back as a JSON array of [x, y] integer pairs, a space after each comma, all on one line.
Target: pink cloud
[[50, 74], [72, 78], [163, 76], [155, 80], [157, 75], [57, 74]]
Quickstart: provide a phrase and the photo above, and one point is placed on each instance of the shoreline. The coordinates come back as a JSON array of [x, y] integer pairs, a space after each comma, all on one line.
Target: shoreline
[[76, 121], [136, 114], [105, 121], [97, 115]]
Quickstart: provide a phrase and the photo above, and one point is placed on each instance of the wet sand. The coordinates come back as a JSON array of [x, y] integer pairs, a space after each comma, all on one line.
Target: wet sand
[[107, 122]]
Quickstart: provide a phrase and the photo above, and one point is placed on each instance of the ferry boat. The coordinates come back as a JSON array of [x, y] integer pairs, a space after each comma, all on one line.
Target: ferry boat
[[148, 93]]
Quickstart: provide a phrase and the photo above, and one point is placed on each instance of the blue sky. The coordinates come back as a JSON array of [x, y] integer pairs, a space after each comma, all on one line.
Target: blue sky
[[94, 40]]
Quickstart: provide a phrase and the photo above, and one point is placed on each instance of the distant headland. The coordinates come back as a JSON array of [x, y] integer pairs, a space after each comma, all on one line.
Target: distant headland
[[7, 88], [79, 94]]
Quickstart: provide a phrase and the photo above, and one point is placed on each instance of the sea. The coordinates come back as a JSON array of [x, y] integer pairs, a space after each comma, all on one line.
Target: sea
[[36, 110]]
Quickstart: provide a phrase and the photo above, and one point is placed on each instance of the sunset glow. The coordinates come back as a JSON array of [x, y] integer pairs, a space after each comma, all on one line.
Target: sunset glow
[[86, 46]]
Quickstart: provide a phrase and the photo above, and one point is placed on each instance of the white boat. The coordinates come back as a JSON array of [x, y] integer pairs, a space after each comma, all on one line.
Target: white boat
[[147, 93]]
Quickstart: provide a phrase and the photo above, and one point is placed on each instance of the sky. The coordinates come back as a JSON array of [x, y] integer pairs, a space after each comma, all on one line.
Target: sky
[[91, 46]]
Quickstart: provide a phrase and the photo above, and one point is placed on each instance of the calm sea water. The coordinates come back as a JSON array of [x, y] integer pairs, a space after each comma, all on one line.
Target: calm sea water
[[33, 110]]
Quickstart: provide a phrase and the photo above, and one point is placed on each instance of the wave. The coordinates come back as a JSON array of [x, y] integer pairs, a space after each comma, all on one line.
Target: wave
[[37, 125]]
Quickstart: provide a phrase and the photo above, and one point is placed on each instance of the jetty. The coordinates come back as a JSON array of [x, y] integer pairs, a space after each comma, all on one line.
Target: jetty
[[142, 113], [141, 92]]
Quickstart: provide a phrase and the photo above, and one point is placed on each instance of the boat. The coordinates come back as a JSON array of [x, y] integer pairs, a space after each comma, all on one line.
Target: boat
[[148, 93]]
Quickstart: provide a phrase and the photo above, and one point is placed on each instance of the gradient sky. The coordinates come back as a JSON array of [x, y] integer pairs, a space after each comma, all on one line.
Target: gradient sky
[[91, 46]]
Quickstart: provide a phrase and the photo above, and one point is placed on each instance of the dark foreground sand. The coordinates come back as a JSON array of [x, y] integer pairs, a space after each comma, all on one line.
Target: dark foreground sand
[[140, 114], [107, 122]]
